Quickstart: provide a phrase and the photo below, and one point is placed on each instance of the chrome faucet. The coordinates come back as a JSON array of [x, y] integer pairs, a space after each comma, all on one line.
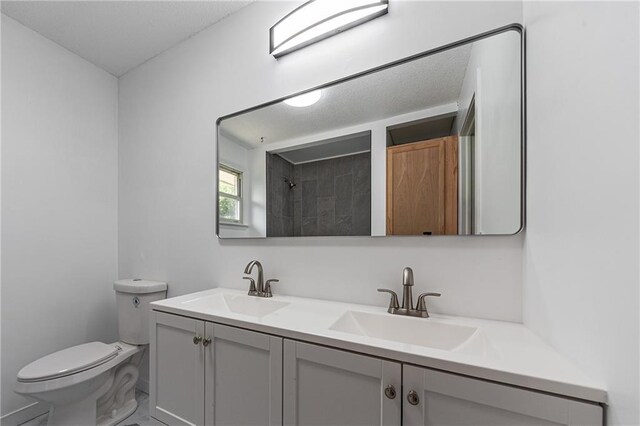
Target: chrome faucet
[[407, 308], [407, 291], [262, 289]]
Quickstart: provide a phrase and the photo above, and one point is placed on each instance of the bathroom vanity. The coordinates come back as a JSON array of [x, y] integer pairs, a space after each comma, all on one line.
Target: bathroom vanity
[[223, 357]]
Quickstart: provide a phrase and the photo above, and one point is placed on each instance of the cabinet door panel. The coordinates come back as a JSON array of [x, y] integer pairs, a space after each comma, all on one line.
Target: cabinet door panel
[[325, 386], [176, 367], [243, 377], [449, 399]]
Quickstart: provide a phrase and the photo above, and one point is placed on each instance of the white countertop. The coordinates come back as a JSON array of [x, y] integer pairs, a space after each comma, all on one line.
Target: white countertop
[[499, 351]]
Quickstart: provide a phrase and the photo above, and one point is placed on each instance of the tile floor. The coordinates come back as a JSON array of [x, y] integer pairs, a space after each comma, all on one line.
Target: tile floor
[[139, 418]]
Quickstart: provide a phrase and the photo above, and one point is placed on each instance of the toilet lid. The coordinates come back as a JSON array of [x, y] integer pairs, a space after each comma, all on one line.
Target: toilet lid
[[67, 362]]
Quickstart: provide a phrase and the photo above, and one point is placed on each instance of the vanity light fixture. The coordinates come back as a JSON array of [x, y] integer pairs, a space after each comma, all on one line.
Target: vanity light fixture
[[318, 19], [304, 100]]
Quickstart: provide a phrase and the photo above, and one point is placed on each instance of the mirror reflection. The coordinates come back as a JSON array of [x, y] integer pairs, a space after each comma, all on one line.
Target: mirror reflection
[[430, 146], [320, 189]]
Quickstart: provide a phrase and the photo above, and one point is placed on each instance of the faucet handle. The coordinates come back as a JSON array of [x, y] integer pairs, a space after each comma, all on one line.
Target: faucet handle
[[252, 286], [267, 288], [421, 305], [393, 303]]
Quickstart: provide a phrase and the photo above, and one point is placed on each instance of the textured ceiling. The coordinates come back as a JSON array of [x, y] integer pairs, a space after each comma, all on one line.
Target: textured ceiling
[[420, 84], [118, 35]]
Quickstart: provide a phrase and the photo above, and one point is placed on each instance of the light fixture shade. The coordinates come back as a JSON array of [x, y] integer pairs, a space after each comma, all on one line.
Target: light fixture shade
[[304, 100], [318, 19]]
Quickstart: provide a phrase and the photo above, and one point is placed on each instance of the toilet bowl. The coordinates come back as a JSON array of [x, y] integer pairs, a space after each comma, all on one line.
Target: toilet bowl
[[94, 383]]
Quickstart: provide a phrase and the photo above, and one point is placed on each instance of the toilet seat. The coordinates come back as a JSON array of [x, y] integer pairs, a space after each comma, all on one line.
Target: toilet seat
[[67, 362]]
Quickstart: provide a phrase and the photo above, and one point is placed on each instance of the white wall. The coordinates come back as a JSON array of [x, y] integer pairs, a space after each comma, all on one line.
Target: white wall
[[581, 249], [167, 113], [59, 217], [493, 77]]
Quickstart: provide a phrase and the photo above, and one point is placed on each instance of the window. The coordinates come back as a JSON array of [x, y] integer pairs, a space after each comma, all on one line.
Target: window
[[229, 195]]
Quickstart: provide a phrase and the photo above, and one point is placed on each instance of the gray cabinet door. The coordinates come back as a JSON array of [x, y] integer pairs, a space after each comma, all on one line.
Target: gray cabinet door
[[243, 384], [176, 370], [324, 386], [448, 399]]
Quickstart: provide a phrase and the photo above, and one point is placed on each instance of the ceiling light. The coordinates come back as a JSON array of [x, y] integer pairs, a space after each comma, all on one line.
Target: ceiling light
[[304, 100], [319, 19]]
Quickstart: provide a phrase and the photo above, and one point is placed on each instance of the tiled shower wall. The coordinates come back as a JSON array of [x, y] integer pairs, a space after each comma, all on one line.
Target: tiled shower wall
[[279, 197], [331, 197]]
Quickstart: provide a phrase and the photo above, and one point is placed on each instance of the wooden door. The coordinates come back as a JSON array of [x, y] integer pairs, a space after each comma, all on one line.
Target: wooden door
[[325, 386], [422, 188], [443, 399], [176, 370], [243, 384]]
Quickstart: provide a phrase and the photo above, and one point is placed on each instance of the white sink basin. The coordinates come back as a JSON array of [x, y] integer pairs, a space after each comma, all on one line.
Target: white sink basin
[[415, 331], [237, 303]]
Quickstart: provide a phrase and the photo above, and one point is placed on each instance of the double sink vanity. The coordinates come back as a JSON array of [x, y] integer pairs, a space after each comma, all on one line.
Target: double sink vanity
[[391, 151], [224, 357]]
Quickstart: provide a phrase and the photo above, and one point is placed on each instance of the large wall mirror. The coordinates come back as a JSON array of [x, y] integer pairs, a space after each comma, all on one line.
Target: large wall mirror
[[431, 145]]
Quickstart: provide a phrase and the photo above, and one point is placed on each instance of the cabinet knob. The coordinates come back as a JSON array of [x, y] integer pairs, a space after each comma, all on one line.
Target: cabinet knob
[[412, 397], [206, 342], [197, 339], [390, 392]]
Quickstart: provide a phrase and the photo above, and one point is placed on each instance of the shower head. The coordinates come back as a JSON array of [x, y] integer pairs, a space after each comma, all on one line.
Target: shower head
[[289, 182]]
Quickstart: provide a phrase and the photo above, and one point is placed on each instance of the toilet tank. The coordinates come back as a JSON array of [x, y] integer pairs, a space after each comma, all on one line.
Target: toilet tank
[[133, 297]]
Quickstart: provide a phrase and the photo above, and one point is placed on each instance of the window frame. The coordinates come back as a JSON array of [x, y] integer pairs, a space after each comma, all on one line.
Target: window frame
[[239, 197]]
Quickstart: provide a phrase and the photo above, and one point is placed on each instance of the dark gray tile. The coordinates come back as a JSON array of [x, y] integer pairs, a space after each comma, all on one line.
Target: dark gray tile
[[362, 173], [289, 167], [343, 225], [309, 198], [344, 195], [309, 171], [297, 190], [287, 226], [292, 204], [344, 165], [275, 201], [270, 226], [309, 188], [327, 225], [326, 176], [362, 203], [287, 205], [297, 217], [309, 226], [326, 216], [361, 219], [326, 204], [279, 197], [276, 228]]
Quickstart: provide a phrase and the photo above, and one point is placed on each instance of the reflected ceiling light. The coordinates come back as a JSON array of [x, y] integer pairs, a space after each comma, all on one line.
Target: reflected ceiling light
[[304, 100], [319, 19]]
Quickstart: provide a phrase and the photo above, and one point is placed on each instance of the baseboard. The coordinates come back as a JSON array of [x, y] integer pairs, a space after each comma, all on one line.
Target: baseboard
[[24, 414], [142, 385]]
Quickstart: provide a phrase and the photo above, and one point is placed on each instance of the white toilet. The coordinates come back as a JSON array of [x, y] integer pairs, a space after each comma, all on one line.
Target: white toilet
[[94, 383]]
